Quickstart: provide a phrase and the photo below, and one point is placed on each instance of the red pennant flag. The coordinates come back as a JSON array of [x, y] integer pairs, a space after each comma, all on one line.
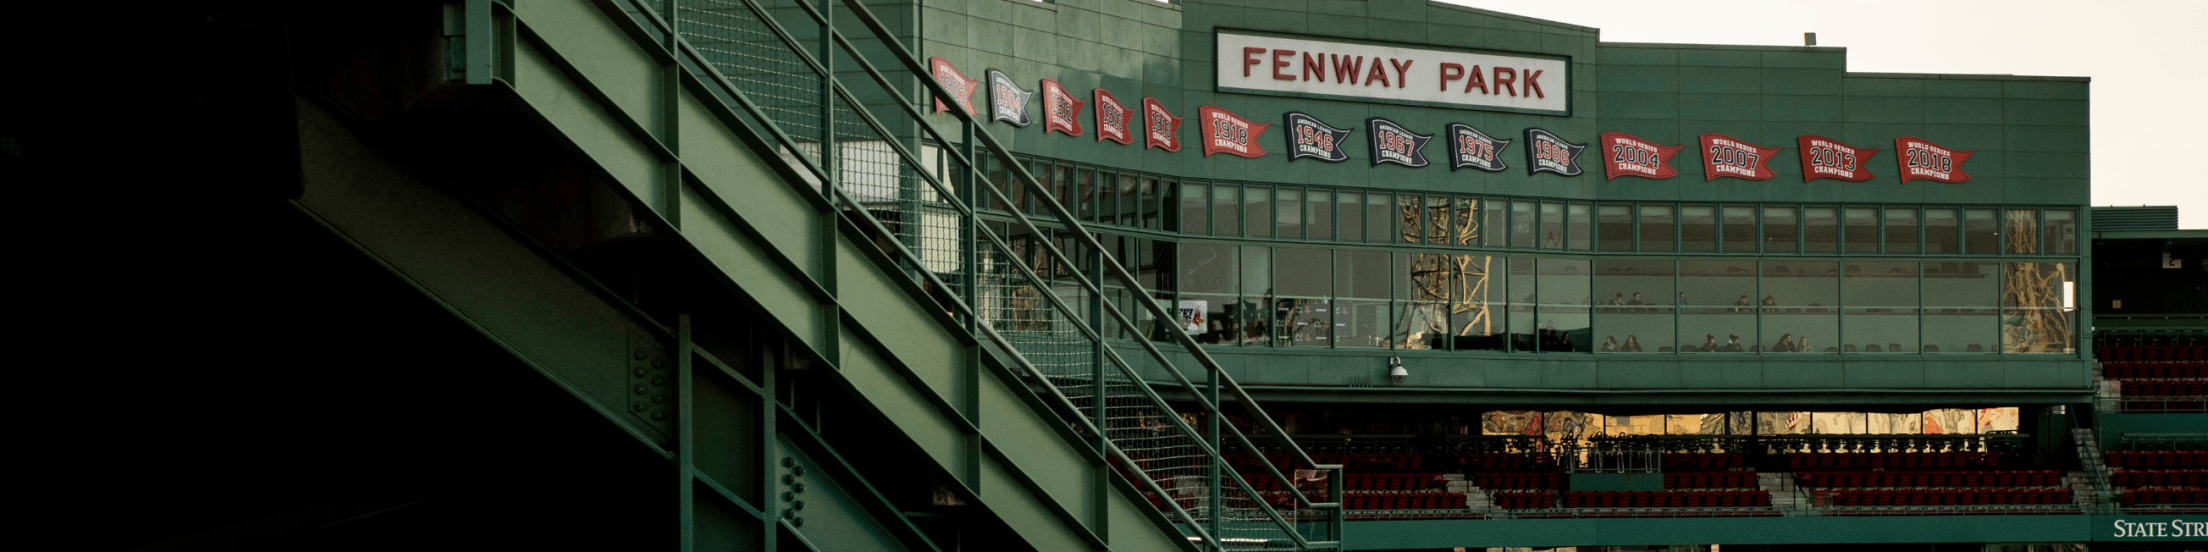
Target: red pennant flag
[[1161, 129], [1228, 133], [1111, 119], [1921, 159], [1061, 112], [1828, 158], [1726, 156], [1632, 156], [953, 81]]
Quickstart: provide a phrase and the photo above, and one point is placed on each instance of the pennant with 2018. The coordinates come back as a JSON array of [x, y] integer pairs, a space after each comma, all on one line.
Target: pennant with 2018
[[1828, 158], [1111, 119], [1309, 138], [1228, 133], [1471, 149], [1726, 156], [1632, 156], [960, 87], [1391, 143], [1061, 112], [1547, 152], [1007, 102], [1920, 159], [1160, 129]]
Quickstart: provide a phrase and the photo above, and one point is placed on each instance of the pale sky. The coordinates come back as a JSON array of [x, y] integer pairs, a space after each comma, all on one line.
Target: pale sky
[[2148, 60]]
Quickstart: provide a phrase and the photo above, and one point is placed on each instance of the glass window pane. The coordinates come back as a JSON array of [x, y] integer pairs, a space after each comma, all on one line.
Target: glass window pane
[[1321, 215], [1350, 213], [1801, 305], [1257, 288], [2022, 232], [1257, 209], [1361, 284], [1465, 221], [1582, 230], [1656, 228], [1147, 211], [1209, 284], [1780, 230], [2062, 232], [1421, 301], [1980, 232], [1940, 235], [1822, 230], [1410, 219], [1615, 225], [1495, 224], [1740, 229], [1303, 286], [1084, 197], [1718, 306], [1195, 209], [1380, 218], [1881, 307], [1521, 317], [1959, 307], [1901, 230], [1862, 230], [1130, 199], [1475, 319], [1563, 306], [1552, 225], [1226, 211], [2037, 301], [1698, 228], [1437, 220], [1288, 204], [1521, 224], [1636, 315]]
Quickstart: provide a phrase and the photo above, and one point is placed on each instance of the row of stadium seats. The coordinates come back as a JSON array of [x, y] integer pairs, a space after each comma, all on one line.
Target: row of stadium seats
[[2159, 478], [2157, 458], [1710, 480], [1502, 461], [1665, 499], [1405, 501], [1373, 461], [2140, 370], [1514, 481], [2016, 478], [2152, 353], [1525, 500], [1357, 482], [2163, 496], [1823, 460], [1949, 497], [2179, 388], [1691, 461]]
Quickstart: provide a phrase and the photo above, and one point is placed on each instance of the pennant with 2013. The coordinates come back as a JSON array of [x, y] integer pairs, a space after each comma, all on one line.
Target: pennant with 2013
[[1471, 149], [1920, 159], [1007, 102], [1632, 156], [1160, 129], [1111, 119], [1828, 158], [1726, 156], [1547, 152], [1391, 143], [1061, 111], [1309, 138], [954, 82], [1228, 133]]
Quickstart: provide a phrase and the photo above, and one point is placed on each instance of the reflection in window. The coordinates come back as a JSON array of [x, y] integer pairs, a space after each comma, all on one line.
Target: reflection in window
[[1959, 301], [1349, 213], [1475, 319], [1801, 302], [1208, 288], [1582, 232], [1563, 306], [1740, 229], [1495, 222], [1380, 218], [1130, 200], [1616, 227], [1421, 300], [1980, 233], [1779, 230], [1881, 314], [1522, 298], [1438, 227], [2062, 232], [1465, 221], [2036, 307], [1552, 225], [1288, 204], [1656, 228], [1941, 235], [1169, 199], [1303, 313], [1901, 230], [2023, 231], [1257, 210], [1410, 219], [1083, 200], [1226, 211], [1635, 314], [1361, 311], [1718, 306], [1521, 224], [1822, 230], [1253, 311], [1862, 230], [1321, 215], [1697, 228], [1141, 209], [1195, 209]]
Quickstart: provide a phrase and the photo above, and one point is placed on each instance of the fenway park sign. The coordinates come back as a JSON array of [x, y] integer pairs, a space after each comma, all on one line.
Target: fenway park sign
[[1263, 64]]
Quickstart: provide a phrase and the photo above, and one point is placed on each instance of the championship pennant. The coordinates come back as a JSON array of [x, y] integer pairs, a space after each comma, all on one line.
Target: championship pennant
[[1547, 152], [1111, 119], [1632, 156], [1391, 143], [1228, 133], [1160, 129], [1308, 138], [1921, 159], [1471, 149], [1728, 156], [1828, 158], [953, 81], [1007, 102], [1061, 112]]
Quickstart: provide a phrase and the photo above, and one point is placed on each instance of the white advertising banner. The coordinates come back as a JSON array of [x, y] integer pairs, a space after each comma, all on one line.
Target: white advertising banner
[[1269, 64]]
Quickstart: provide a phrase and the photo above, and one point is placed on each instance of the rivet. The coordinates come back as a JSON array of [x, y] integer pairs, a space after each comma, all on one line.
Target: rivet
[[789, 514], [799, 470], [638, 372], [640, 407], [659, 380], [786, 496], [659, 398], [789, 461], [798, 487], [640, 354], [660, 415], [788, 479], [641, 389], [797, 522], [797, 505], [659, 363]]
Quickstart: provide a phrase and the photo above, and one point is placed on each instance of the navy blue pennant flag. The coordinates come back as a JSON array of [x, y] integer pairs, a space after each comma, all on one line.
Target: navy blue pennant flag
[[1308, 138], [1391, 143], [1471, 149], [1007, 102], [1547, 152]]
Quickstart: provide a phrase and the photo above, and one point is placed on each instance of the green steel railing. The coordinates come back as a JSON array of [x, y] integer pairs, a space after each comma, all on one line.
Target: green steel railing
[[1044, 295]]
